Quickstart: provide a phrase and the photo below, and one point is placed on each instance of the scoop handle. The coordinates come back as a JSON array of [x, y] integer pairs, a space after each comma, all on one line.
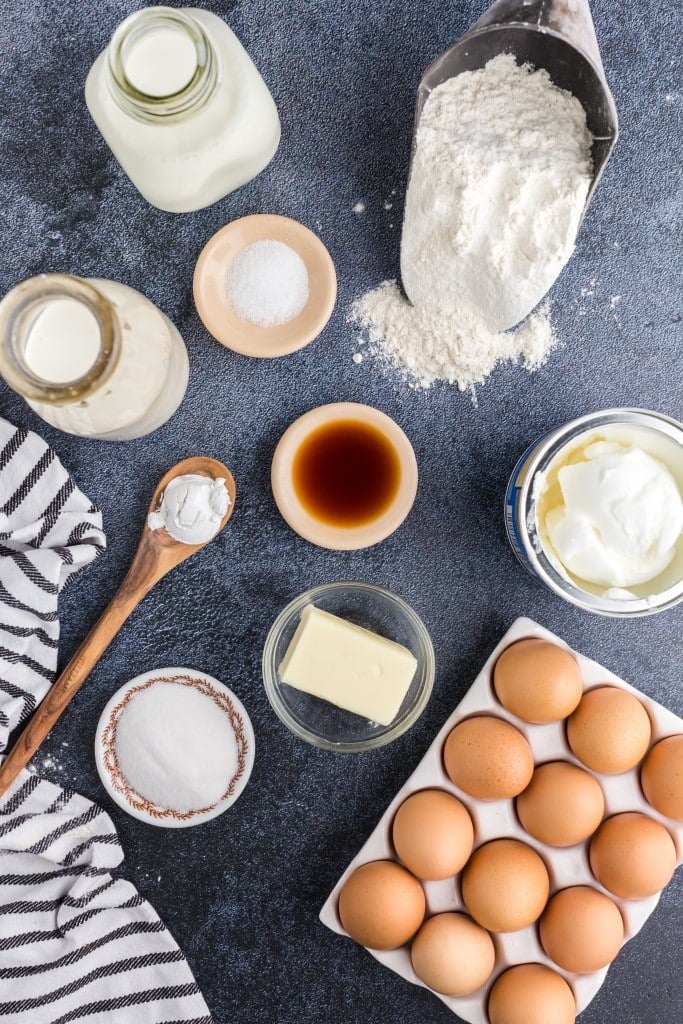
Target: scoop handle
[[141, 577]]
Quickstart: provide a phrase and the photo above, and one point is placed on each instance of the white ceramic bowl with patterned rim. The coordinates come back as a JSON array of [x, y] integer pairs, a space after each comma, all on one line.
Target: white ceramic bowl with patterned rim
[[117, 786]]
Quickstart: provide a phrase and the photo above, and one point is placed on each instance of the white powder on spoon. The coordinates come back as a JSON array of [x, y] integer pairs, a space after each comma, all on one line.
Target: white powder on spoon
[[192, 508], [499, 180], [176, 747], [267, 283]]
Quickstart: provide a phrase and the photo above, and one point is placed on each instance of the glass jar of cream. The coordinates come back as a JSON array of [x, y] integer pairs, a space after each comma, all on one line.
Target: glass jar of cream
[[182, 107], [92, 357], [594, 510]]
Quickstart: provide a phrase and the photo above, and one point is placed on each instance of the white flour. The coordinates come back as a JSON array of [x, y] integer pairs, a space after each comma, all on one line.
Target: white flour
[[428, 345], [499, 181]]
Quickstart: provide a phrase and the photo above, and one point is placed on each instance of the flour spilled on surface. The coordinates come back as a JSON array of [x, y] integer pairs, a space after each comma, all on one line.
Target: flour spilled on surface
[[429, 345], [499, 181]]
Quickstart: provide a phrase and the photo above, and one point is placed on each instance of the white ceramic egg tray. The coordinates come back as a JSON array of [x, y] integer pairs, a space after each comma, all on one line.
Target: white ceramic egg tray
[[497, 819]]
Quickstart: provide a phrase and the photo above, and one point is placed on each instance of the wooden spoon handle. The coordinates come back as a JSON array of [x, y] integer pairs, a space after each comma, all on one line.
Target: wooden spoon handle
[[134, 587]]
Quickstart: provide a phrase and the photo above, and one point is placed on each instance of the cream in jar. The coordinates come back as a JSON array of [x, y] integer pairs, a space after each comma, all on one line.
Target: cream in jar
[[63, 342], [609, 511], [92, 357], [182, 107]]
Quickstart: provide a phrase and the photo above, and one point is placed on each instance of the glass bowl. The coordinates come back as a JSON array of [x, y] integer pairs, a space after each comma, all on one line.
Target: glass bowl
[[323, 724]]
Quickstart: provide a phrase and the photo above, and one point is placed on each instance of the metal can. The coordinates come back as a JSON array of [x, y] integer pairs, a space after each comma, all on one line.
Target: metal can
[[520, 511]]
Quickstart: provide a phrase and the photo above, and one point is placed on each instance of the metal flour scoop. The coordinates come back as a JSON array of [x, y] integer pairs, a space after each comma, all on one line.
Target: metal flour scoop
[[557, 35]]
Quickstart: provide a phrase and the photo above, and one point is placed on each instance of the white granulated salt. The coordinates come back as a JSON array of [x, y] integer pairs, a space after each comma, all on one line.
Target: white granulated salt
[[176, 747], [500, 176], [267, 283]]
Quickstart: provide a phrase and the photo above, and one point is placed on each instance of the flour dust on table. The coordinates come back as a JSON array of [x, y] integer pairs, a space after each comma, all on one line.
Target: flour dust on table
[[427, 345]]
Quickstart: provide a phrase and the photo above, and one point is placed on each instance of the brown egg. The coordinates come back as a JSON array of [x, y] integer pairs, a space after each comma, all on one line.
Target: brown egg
[[538, 681], [531, 994], [662, 777], [562, 804], [433, 834], [633, 856], [381, 905], [488, 758], [609, 731], [505, 885], [452, 954], [581, 929]]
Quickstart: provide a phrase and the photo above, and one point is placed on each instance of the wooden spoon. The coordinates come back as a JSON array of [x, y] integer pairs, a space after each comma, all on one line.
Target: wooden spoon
[[156, 555]]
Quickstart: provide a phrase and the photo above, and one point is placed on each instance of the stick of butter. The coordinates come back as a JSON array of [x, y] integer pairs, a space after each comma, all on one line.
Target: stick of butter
[[347, 665]]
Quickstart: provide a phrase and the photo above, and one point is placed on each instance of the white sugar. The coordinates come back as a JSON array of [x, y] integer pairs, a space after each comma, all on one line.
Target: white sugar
[[176, 747], [267, 284]]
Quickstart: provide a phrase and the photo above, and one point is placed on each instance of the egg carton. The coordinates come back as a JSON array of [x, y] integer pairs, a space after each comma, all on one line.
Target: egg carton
[[497, 819]]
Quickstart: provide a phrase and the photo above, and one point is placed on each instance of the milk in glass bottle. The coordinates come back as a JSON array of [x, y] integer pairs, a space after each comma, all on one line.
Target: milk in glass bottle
[[182, 107], [92, 357]]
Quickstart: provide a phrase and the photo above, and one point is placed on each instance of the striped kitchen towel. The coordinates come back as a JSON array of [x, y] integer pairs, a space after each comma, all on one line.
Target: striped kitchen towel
[[76, 943], [49, 531]]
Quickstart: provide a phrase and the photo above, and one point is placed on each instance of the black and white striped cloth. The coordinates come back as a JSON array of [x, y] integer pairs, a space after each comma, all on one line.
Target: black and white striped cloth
[[76, 943], [49, 531]]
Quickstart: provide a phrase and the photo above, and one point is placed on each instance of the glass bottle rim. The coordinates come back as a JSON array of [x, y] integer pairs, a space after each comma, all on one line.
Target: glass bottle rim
[[18, 311], [176, 106]]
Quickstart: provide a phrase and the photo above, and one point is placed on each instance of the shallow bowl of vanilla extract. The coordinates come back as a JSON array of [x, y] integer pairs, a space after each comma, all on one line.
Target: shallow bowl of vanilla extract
[[211, 295], [344, 476], [323, 724]]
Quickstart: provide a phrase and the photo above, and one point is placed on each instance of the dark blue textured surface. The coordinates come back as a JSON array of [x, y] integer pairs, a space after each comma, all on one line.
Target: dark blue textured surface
[[242, 893]]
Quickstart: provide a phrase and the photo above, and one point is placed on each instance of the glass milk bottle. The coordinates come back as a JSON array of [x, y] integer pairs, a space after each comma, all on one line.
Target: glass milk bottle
[[182, 107], [92, 357]]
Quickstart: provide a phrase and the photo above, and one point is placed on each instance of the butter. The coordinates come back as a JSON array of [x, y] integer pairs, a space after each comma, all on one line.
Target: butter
[[349, 666]]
